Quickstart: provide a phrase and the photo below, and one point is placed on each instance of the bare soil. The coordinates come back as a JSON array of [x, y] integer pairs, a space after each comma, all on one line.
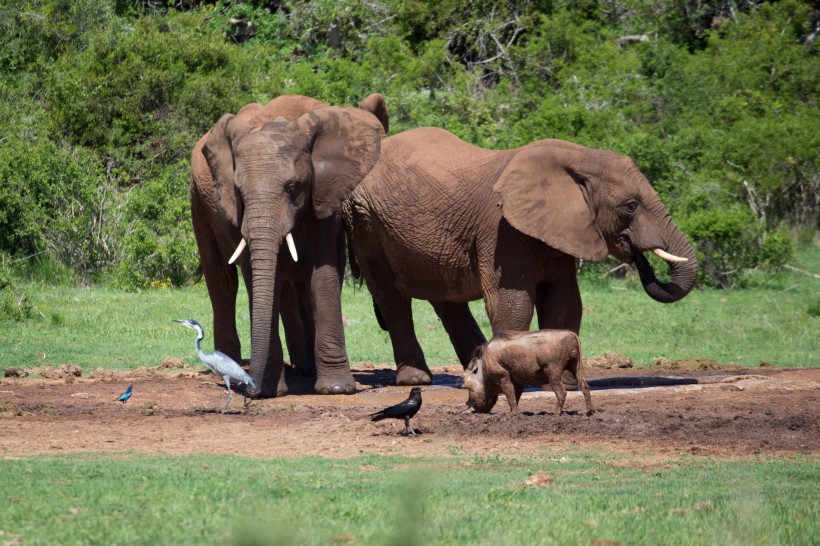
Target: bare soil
[[176, 409]]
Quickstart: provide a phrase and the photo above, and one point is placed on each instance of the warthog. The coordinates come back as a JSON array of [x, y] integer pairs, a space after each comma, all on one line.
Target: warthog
[[513, 360]]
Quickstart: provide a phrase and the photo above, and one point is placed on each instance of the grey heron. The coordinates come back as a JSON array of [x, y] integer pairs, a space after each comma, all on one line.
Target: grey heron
[[220, 363]]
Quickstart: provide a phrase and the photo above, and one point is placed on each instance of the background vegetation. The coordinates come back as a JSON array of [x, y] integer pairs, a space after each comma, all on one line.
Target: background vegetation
[[101, 102]]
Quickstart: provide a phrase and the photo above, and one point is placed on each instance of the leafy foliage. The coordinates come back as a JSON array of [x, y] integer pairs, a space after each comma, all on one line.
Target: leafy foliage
[[102, 103]]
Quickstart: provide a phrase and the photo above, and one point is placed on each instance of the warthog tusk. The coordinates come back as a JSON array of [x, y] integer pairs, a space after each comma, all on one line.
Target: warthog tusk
[[668, 257], [292, 247], [239, 248]]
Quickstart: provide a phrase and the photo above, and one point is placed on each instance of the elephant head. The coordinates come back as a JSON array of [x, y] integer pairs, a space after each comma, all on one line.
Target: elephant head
[[589, 203], [275, 178]]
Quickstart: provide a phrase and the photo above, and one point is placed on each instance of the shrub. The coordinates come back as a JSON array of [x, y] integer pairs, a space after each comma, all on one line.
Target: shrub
[[729, 240], [159, 247], [54, 200]]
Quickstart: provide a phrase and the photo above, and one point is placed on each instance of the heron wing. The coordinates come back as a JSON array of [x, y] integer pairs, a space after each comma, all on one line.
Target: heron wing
[[226, 366]]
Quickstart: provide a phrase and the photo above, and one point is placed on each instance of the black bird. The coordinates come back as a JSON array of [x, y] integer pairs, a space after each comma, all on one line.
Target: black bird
[[404, 410]]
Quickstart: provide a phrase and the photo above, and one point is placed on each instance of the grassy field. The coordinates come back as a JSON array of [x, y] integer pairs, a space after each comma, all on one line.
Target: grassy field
[[584, 497], [776, 321]]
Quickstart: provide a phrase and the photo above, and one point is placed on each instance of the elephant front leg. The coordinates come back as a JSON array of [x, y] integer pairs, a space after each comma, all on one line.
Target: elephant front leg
[[559, 305], [333, 374], [508, 309], [298, 325]]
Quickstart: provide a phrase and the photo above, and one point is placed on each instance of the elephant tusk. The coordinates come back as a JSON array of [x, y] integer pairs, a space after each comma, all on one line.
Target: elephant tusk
[[668, 257], [239, 248], [292, 247]]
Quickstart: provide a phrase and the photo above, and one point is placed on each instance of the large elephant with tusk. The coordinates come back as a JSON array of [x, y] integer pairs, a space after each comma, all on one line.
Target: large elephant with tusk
[[441, 220], [267, 186]]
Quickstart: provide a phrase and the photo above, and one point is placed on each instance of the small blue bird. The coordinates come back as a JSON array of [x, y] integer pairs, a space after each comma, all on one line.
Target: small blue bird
[[125, 396], [220, 363]]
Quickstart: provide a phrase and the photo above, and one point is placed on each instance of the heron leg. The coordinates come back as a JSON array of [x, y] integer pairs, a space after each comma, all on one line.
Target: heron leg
[[230, 393]]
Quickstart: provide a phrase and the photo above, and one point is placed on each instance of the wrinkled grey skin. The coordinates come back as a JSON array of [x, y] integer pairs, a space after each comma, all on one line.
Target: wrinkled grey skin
[[514, 360], [441, 220], [258, 179]]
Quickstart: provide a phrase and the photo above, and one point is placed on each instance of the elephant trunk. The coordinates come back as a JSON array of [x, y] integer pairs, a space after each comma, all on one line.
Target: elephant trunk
[[266, 349], [682, 273]]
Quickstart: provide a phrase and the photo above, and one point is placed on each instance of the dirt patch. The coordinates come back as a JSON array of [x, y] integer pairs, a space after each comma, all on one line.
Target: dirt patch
[[688, 364], [717, 412], [608, 361]]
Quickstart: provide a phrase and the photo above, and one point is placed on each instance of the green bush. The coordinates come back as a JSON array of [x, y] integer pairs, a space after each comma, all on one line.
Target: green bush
[[54, 200], [159, 247], [729, 241], [15, 304], [101, 103]]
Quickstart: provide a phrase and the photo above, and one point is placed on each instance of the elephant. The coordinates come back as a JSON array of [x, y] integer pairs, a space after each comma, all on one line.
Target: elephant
[[441, 220], [271, 175]]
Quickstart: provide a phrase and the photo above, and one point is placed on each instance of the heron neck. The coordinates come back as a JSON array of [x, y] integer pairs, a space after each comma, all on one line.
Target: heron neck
[[200, 335]]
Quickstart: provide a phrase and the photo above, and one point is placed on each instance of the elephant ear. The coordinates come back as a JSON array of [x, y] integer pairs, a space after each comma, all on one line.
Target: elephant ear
[[343, 148], [218, 152], [540, 198], [376, 105]]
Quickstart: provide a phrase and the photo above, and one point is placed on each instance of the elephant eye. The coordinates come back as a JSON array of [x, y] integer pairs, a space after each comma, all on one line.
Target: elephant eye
[[631, 207], [290, 189]]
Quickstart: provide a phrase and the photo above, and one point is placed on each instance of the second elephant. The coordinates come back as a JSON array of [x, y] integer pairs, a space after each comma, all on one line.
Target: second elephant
[[441, 220]]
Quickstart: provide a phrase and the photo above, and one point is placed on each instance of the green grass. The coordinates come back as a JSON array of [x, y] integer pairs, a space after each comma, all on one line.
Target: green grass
[[387, 500], [774, 321]]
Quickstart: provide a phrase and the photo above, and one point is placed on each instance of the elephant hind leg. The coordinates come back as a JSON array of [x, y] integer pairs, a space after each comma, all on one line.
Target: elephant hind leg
[[460, 325], [397, 312], [221, 279]]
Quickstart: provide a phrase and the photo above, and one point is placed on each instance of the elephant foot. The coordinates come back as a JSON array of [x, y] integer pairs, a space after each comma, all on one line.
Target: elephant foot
[[342, 383], [409, 374], [255, 394]]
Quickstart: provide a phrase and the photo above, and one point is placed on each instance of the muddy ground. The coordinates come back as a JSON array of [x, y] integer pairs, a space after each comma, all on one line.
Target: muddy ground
[[723, 412]]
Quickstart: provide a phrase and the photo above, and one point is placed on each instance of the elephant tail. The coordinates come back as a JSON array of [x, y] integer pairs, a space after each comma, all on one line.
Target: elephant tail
[[354, 265], [195, 277], [379, 316], [357, 274]]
